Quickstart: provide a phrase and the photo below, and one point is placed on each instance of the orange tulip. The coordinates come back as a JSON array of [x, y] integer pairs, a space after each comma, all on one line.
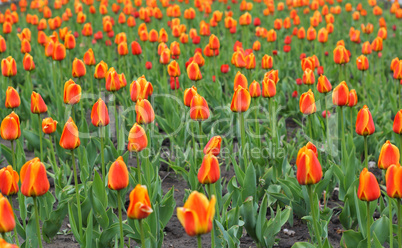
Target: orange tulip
[[69, 138], [364, 122], [368, 190], [137, 139], [376, 45], [382, 32], [209, 171], [89, 57], [250, 61], [25, 46], [311, 34], [12, 98], [214, 42], [7, 27], [140, 89], [136, 48], [49, 125], [118, 175], [272, 74], [322, 35], [199, 109], [38, 106], [266, 62], [113, 82], [174, 69], [100, 114], [394, 62], [389, 155], [175, 49], [9, 181], [341, 55], [308, 167], [165, 56], [140, 204], [241, 100], [241, 80], [188, 95], [397, 126], [145, 112], [362, 63], [7, 221], [122, 49], [59, 52], [78, 69], [340, 95], [239, 60], [8, 67], [213, 146], [28, 62], [10, 127], [323, 85], [398, 70], [393, 181], [308, 63], [308, 77], [100, 70], [194, 72], [3, 45], [255, 89], [199, 59], [72, 92], [268, 88], [197, 214], [34, 180], [352, 98], [307, 103], [69, 41], [366, 48]]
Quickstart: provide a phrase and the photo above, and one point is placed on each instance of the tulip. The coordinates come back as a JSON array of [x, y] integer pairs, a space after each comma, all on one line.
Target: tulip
[[49, 125], [101, 70], [389, 155], [8, 67], [340, 95], [397, 126], [213, 146], [307, 103], [308, 167], [28, 62], [122, 49], [268, 88], [10, 127], [366, 48], [8, 181], [188, 95], [136, 48], [193, 72], [118, 175], [362, 63], [364, 122], [12, 98], [368, 190], [59, 52], [308, 77], [197, 214], [241, 100], [89, 57], [140, 204], [255, 89], [376, 45], [266, 62], [352, 98], [7, 221], [144, 111], [272, 74], [69, 138], [199, 109], [99, 114], [69, 41], [341, 55], [79, 69], [393, 182], [137, 139], [112, 80], [140, 89], [323, 85], [240, 80], [174, 69], [209, 172], [308, 63], [72, 92], [398, 70]]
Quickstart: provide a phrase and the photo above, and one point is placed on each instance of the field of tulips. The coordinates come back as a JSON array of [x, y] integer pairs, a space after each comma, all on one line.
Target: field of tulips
[[202, 123]]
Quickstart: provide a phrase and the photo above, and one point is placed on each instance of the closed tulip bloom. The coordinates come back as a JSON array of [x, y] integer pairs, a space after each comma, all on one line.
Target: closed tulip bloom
[[364, 122], [368, 190], [137, 139], [72, 92], [189, 94], [250, 61], [10, 127], [28, 62], [362, 63], [194, 72], [398, 70], [214, 42], [34, 180], [165, 56], [69, 41], [394, 63], [272, 74], [59, 52], [199, 59], [7, 27], [122, 49], [352, 98], [268, 88], [89, 57], [140, 204], [38, 106], [308, 167], [136, 48], [213, 146], [397, 126], [174, 69], [7, 221], [323, 85], [255, 89], [8, 67], [49, 125], [266, 62], [79, 69], [240, 80], [100, 70], [118, 175], [112, 80], [308, 63], [308, 146], [12, 98], [69, 138], [9, 181], [341, 55], [239, 59], [175, 49], [209, 171], [3, 45], [389, 155], [144, 111], [199, 109], [308, 77], [376, 45], [322, 35], [197, 214], [140, 89], [340, 95], [307, 103], [366, 48], [100, 114], [241, 100], [393, 181], [25, 46]]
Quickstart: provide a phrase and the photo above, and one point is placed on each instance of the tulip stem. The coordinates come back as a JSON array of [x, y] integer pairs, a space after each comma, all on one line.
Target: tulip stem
[[194, 145], [391, 232], [37, 222], [343, 148], [400, 139], [315, 221], [13, 154], [115, 119], [16, 220], [257, 124], [120, 219], [212, 230], [102, 140], [40, 137], [200, 128], [310, 124], [365, 152], [77, 194], [199, 241], [243, 140], [368, 225], [138, 167], [399, 222], [327, 125], [351, 122], [54, 166], [142, 234]]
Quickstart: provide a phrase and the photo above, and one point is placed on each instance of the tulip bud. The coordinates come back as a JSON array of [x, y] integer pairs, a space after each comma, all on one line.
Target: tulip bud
[[366, 48], [122, 49], [393, 182], [340, 95], [199, 208], [308, 77], [255, 89], [144, 111], [250, 61], [100, 114], [352, 98], [7, 221], [240, 80], [188, 95], [266, 62], [49, 125], [3, 45], [174, 69], [38, 106], [112, 80], [100, 70], [136, 48], [193, 72], [272, 74], [34, 180], [79, 69], [9, 181], [213, 146], [214, 42], [8, 67], [268, 88], [59, 52], [28, 62], [209, 172], [140, 204], [12, 98], [69, 138], [364, 122], [389, 155], [199, 109], [308, 167], [376, 45], [69, 41], [323, 85], [72, 92], [89, 57], [10, 127], [307, 103], [241, 100], [137, 139], [398, 71], [341, 55], [118, 175], [362, 63], [368, 190], [397, 126]]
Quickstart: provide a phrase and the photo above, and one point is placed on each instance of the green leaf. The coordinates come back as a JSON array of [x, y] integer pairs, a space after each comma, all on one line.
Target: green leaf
[[303, 245], [352, 238], [250, 183], [52, 225], [89, 231], [166, 207]]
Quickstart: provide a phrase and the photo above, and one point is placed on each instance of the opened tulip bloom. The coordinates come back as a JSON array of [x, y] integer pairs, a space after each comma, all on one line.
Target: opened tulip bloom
[[213, 146]]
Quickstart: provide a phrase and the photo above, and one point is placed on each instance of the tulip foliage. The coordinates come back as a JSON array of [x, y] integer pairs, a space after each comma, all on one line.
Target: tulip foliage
[[123, 120]]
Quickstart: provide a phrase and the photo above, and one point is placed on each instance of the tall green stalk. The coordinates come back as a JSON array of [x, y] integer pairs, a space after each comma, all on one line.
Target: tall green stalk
[[120, 219], [327, 125], [16, 219], [399, 222], [37, 222], [199, 241], [365, 152], [368, 225], [13, 155], [77, 194], [138, 167], [212, 230], [391, 229], [102, 139], [243, 140], [311, 196], [343, 143], [142, 234], [40, 137], [54, 165]]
